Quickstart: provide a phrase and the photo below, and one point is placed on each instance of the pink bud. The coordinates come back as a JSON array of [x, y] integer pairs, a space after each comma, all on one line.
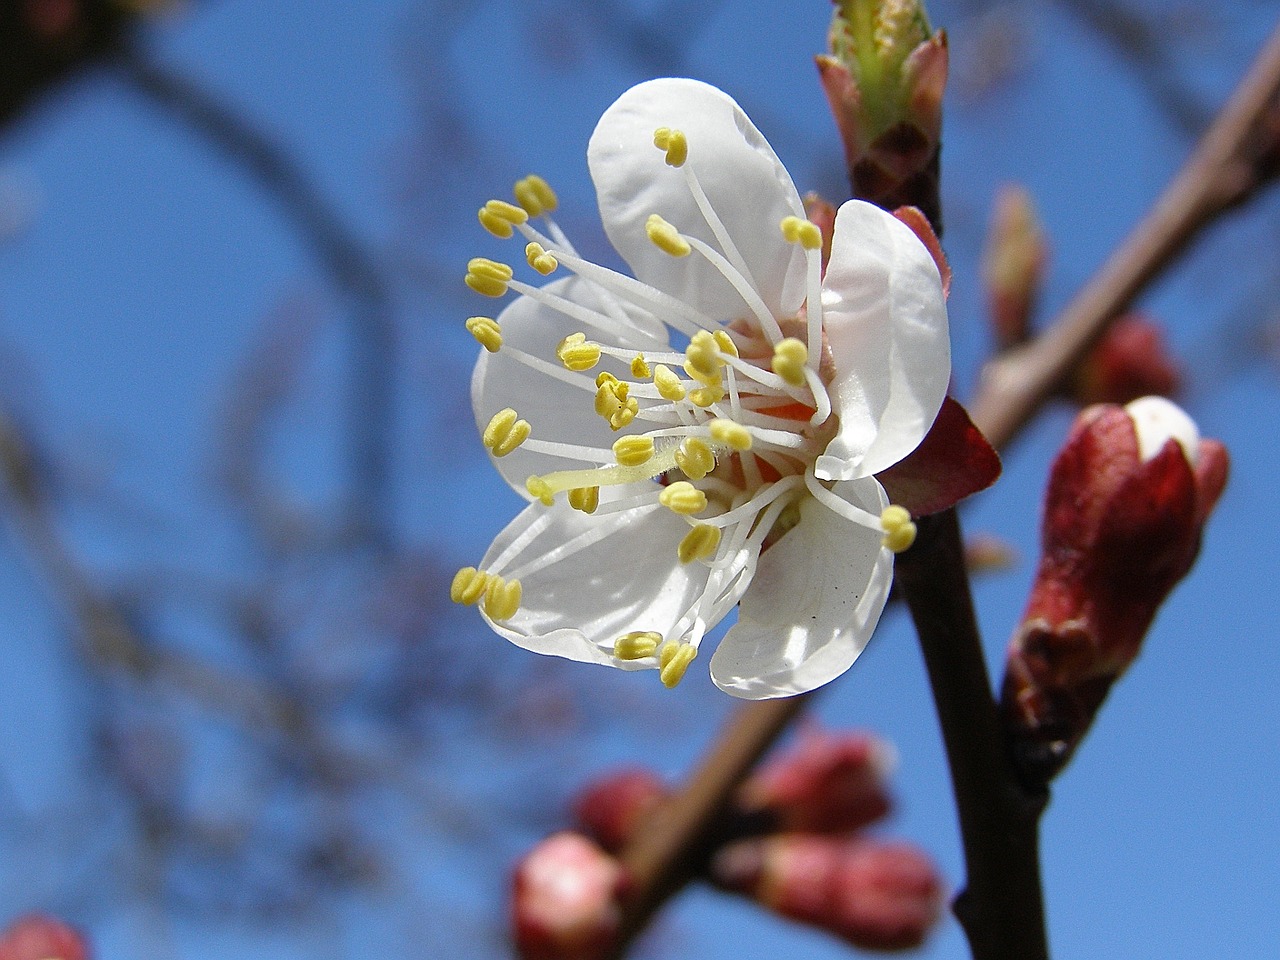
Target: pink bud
[[39, 937], [1127, 501], [1130, 361], [565, 900], [876, 896], [826, 783], [611, 809]]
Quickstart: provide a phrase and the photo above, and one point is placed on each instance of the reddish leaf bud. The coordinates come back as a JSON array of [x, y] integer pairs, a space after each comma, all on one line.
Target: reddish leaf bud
[[39, 937], [884, 78], [1130, 361], [819, 211], [1127, 501], [565, 900], [877, 896], [827, 783], [1013, 265], [611, 809]]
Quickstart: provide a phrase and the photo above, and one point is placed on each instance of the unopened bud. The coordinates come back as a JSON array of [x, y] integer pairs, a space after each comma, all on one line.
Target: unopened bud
[[565, 900], [827, 783], [1130, 361], [876, 896], [39, 937], [1128, 497], [1013, 265], [612, 808], [823, 213], [884, 77]]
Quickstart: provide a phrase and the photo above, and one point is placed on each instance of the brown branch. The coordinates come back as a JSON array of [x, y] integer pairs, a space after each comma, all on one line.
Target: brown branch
[[1002, 910]]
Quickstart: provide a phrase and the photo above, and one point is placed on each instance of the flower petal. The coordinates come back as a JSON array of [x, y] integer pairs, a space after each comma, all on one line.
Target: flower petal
[[746, 184], [813, 604], [556, 410], [886, 323], [595, 578]]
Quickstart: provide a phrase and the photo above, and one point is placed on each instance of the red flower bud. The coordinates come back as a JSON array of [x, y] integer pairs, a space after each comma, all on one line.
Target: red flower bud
[[39, 937], [1128, 498], [827, 783], [877, 896], [1130, 361], [565, 900], [611, 809]]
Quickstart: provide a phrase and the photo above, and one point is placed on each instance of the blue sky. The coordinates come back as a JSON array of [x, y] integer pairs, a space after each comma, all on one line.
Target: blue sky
[[128, 301]]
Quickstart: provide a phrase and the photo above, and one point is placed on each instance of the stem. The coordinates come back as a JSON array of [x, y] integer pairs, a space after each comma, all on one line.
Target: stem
[[1002, 907]]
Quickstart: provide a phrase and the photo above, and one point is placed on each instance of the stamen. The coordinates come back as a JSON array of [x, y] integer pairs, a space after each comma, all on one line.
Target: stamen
[[586, 499], [666, 237], [535, 195], [668, 384], [639, 368], [725, 343], [702, 358], [699, 543], [502, 600], [673, 661], [633, 451], [505, 432], [614, 403], [706, 396], [804, 232], [540, 490], [753, 506], [674, 142], [545, 263], [789, 359], [695, 458], [577, 353], [899, 531], [842, 506], [498, 217], [741, 281], [683, 498], [636, 645], [731, 434], [488, 277], [469, 585], [487, 331]]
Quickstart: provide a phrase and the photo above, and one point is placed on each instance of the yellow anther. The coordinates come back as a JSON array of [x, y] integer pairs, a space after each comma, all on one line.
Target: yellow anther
[[706, 396], [614, 403], [585, 499], [535, 195], [488, 277], [539, 489], [539, 259], [731, 434], [666, 237], [502, 599], [604, 376], [899, 531], [725, 343], [469, 585], [684, 498], [789, 358], [674, 142], [668, 384], [634, 450], [498, 217], [699, 543], [695, 458], [702, 358], [804, 232], [505, 432], [639, 367], [673, 660], [578, 353], [487, 331], [636, 645]]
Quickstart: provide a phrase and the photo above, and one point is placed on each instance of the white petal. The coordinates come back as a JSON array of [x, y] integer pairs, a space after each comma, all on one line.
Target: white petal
[[746, 184], [556, 410], [581, 598], [886, 322], [1156, 421], [813, 604]]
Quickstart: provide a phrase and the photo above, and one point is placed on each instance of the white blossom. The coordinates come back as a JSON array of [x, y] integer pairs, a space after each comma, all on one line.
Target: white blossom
[[703, 434]]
